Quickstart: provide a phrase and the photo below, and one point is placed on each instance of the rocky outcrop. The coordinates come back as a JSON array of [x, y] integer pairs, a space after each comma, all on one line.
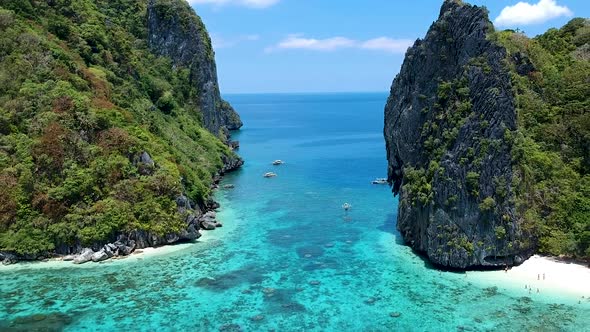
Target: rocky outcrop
[[175, 31], [8, 258], [84, 256], [450, 109], [198, 216]]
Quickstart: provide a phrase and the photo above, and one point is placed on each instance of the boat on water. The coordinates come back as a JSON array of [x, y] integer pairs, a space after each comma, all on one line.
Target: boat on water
[[346, 206], [278, 162], [270, 175], [380, 181]]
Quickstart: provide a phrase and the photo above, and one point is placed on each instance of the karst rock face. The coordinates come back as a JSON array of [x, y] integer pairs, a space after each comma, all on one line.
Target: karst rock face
[[445, 123], [179, 34]]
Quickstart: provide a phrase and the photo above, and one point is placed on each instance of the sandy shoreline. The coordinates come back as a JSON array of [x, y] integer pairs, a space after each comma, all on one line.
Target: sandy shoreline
[[542, 277], [138, 255], [554, 278]]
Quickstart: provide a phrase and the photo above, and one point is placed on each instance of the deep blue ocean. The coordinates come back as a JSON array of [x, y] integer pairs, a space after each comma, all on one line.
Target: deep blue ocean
[[289, 257]]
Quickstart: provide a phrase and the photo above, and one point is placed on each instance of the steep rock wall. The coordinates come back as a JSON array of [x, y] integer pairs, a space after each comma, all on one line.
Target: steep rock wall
[[445, 120], [175, 31]]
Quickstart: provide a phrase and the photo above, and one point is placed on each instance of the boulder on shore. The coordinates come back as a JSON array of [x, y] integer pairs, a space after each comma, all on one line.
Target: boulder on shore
[[207, 225], [84, 256], [8, 258], [125, 249], [190, 234], [68, 258], [99, 256], [108, 251]]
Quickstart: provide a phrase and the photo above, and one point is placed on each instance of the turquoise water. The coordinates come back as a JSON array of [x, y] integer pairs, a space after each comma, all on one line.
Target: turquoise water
[[289, 258]]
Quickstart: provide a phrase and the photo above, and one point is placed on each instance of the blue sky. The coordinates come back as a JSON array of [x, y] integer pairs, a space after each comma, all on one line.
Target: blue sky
[[340, 45]]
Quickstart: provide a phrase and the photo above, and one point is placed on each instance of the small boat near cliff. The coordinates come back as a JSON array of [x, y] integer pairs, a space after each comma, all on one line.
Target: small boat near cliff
[[270, 175], [278, 162], [346, 206], [380, 181]]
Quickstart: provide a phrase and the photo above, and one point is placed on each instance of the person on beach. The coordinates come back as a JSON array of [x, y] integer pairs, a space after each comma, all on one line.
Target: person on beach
[[543, 276], [538, 276]]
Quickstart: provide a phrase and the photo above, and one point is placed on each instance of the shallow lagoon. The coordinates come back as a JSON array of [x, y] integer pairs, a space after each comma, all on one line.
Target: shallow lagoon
[[289, 258]]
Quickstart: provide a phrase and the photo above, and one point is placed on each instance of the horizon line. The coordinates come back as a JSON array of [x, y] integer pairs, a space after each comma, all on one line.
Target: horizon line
[[301, 92]]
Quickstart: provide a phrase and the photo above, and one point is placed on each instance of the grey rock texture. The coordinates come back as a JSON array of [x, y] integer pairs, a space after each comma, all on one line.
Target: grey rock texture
[[84, 256], [144, 163], [8, 258], [177, 32], [99, 256], [445, 122]]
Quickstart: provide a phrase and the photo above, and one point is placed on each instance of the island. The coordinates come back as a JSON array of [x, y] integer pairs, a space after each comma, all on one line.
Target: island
[[488, 142], [113, 131]]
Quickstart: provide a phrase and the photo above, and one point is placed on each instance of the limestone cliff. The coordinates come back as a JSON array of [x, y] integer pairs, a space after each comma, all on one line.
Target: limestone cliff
[[126, 137], [445, 121], [175, 31]]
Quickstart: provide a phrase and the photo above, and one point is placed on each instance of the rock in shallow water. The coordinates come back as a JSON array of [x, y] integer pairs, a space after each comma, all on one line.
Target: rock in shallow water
[[39, 322], [230, 328], [207, 225], [257, 318]]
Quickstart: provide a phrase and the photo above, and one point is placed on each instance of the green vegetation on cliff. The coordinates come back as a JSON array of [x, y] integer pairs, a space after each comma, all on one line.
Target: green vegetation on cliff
[[551, 148], [81, 99]]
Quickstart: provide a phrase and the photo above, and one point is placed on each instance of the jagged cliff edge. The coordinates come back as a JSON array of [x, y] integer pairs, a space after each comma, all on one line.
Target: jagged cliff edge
[[445, 121]]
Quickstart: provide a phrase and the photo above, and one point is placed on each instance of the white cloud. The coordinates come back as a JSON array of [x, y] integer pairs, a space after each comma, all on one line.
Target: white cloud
[[246, 3], [334, 43], [524, 13], [252, 37], [223, 42], [388, 44], [328, 44]]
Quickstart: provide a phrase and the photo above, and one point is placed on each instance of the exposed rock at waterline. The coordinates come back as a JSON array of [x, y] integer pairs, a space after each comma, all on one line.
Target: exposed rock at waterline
[[84, 256], [99, 256], [445, 121], [8, 258]]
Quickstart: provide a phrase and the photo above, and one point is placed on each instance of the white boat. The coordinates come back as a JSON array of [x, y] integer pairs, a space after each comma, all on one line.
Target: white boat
[[380, 181], [270, 175], [346, 206], [278, 162]]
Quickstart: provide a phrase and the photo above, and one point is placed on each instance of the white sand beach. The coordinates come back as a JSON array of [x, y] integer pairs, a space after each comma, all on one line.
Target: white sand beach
[[550, 276]]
